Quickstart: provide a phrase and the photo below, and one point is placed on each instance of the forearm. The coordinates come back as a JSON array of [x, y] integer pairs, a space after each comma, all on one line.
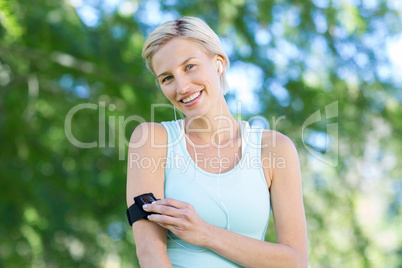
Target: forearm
[[249, 252]]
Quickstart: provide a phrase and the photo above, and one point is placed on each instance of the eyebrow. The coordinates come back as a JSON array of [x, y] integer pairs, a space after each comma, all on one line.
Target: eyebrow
[[184, 62]]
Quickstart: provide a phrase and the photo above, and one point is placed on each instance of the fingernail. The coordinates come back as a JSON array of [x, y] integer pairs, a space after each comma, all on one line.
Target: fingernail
[[145, 207], [153, 202]]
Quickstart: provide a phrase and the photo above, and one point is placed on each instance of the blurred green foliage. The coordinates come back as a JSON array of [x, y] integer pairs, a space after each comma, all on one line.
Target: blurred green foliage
[[64, 206]]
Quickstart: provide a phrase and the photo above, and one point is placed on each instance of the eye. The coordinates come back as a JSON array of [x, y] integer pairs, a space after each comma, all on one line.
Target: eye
[[167, 79], [190, 66]]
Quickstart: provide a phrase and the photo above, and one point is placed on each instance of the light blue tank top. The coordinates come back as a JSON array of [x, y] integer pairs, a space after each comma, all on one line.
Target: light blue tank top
[[243, 192]]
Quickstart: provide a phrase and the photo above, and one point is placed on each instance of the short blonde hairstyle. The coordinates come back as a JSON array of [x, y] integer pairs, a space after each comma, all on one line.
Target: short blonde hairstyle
[[189, 28]]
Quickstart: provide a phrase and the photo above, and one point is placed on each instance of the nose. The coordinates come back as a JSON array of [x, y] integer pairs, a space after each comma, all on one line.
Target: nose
[[183, 84]]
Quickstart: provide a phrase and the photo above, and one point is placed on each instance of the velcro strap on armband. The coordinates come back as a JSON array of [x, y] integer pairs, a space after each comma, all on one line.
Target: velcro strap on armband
[[134, 213]]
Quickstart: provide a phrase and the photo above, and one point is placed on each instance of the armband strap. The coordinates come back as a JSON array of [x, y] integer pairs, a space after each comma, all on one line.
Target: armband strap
[[134, 213]]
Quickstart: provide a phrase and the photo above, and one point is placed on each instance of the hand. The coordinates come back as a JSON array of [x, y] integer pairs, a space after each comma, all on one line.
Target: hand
[[181, 219]]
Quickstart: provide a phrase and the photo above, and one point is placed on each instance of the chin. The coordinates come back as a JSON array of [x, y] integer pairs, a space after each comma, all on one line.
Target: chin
[[196, 113]]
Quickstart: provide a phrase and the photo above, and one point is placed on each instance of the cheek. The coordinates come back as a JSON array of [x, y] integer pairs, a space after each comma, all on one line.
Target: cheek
[[168, 92], [213, 77], [206, 77], [211, 80]]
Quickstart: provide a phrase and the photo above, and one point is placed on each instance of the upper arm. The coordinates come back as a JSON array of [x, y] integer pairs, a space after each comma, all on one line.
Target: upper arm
[[286, 194], [145, 174]]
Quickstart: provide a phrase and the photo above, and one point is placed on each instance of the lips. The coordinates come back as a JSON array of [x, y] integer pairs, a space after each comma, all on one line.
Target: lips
[[191, 98], [189, 95]]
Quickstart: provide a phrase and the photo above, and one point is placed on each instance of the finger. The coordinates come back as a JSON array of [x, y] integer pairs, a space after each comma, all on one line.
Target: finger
[[172, 203], [163, 220], [161, 209]]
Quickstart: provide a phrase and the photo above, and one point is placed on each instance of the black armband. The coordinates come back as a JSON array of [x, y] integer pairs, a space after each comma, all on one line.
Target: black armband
[[135, 211]]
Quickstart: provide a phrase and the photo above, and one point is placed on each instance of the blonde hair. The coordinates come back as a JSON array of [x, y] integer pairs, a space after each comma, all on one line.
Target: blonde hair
[[190, 28]]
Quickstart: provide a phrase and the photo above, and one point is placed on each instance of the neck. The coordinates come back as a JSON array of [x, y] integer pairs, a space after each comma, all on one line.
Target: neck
[[205, 127]]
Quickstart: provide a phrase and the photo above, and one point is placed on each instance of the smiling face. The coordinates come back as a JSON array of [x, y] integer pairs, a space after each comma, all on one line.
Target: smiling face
[[188, 76]]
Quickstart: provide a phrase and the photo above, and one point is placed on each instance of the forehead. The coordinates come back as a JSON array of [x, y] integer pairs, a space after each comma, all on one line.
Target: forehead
[[174, 52]]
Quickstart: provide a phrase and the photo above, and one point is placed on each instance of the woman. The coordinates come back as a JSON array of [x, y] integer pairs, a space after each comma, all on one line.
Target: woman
[[211, 174]]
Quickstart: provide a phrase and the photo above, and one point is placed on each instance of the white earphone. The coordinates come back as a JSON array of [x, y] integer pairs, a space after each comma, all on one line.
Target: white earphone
[[219, 66]]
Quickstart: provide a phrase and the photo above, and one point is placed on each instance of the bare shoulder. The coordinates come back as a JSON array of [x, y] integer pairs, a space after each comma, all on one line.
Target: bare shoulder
[[278, 154], [148, 130], [148, 136], [278, 143]]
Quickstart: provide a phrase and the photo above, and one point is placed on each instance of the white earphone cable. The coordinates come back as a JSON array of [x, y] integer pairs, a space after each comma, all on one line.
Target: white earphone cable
[[196, 173]]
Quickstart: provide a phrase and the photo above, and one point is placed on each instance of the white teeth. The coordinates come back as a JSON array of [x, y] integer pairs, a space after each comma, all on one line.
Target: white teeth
[[192, 97]]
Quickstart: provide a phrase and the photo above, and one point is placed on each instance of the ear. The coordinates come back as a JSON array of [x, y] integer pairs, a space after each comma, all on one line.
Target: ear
[[220, 64]]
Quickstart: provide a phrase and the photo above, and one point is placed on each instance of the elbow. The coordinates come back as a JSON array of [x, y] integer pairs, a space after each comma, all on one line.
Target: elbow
[[152, 256], [145, 254], [300, 259], [302, 263]]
